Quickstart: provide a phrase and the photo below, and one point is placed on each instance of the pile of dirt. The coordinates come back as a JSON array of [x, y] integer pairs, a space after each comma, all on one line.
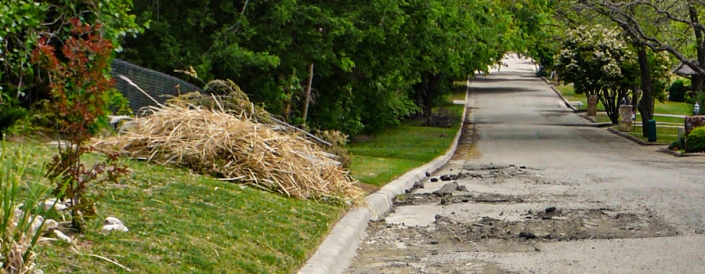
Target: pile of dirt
[[235, 148]]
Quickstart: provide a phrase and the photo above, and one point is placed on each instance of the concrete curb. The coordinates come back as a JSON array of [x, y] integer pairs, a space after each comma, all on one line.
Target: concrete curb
[[567, 104], [338, 248], [592, 120], [632, 138], [678, 154], [546, 80]]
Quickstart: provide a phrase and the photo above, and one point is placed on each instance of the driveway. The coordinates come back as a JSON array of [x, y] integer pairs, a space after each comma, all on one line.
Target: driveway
[[542, 191]]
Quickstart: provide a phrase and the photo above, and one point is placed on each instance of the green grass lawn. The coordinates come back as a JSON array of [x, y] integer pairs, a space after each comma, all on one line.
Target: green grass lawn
[[389, 154], [668, 107], [181, 222], [664, 135], [660, 120]]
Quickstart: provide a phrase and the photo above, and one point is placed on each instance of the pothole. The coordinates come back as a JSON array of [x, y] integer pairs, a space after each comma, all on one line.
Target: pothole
[[548, 225], [432, 198]]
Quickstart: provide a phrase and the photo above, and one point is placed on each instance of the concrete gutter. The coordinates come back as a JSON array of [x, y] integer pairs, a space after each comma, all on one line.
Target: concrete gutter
[[678, 154], [632, 138], [338, 248], [567, 104]]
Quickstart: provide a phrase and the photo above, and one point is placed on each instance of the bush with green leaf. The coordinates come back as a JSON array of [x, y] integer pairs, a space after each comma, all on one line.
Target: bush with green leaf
[[676, 92], [677, 144], [696, 140]]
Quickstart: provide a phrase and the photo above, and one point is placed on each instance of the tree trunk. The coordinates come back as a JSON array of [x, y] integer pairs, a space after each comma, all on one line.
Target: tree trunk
[[698, 80], [426, 91], [307, 99], [433, 85], [646, 105], [420, 90]]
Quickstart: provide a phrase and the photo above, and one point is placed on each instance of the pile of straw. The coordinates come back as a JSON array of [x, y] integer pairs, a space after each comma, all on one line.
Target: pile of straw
[[235, 148]]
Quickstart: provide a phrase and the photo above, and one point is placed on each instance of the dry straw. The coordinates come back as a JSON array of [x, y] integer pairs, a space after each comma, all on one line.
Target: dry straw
[[236, 148]]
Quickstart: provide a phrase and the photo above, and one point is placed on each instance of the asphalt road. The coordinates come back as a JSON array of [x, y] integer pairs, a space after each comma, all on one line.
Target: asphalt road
[[619, 207]]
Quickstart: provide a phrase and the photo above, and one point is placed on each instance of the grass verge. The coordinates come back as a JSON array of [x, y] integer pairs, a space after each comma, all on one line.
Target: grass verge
[[668, 107], [664, 135], [187, 223], [381, 158]]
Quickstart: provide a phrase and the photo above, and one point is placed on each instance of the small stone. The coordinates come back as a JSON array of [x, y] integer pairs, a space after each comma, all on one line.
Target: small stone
[[61, 236], [446, 177], [447, 189], [550, 209], [407, 191], [501, 213], [113, 224], [462, 188], [428, 174], [465, 200], [112, 221], [434, 180], [529, 212], [522, 167], [527, 235], [418, 184], [433, 242]]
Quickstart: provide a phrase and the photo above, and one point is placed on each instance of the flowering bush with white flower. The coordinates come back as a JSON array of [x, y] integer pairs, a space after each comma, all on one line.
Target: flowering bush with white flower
[[598, 61]]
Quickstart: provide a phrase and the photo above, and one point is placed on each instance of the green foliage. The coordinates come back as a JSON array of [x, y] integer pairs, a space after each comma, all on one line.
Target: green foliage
[[375, 62], [22, 199], [677, 144], [696, 140], [23, 22], [10, 115], [676, 92]]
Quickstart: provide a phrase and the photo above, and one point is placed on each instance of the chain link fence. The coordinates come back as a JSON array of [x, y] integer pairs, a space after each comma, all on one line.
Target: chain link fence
[[158, 85]]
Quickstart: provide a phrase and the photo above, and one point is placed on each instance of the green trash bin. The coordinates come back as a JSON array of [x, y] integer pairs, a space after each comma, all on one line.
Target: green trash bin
[[651, 130]]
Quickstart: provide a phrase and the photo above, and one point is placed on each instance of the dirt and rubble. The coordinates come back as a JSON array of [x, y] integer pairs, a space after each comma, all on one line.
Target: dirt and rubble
[[398, 247]]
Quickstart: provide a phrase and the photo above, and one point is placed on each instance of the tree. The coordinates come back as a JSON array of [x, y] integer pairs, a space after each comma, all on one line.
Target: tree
[[24, 21], [375, 62], [599, 62], [663, 26]]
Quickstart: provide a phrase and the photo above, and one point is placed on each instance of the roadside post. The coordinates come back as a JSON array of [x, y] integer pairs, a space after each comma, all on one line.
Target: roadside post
[[625, 118], [651, 130]]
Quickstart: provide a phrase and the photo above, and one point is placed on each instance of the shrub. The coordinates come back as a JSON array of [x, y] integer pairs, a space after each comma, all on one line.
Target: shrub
[[79, 84], [677, 144], [696, 140], [676, 92], [19, 227]]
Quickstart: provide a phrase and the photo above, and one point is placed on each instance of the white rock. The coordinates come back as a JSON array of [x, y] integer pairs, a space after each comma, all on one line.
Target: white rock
[[116, 227], [112, 221], [58, 206], [50, 225], [37, 223], [62, 236]]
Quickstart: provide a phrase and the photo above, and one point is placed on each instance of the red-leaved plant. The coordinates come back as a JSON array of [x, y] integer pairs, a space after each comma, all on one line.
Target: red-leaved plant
[[78, 78]]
